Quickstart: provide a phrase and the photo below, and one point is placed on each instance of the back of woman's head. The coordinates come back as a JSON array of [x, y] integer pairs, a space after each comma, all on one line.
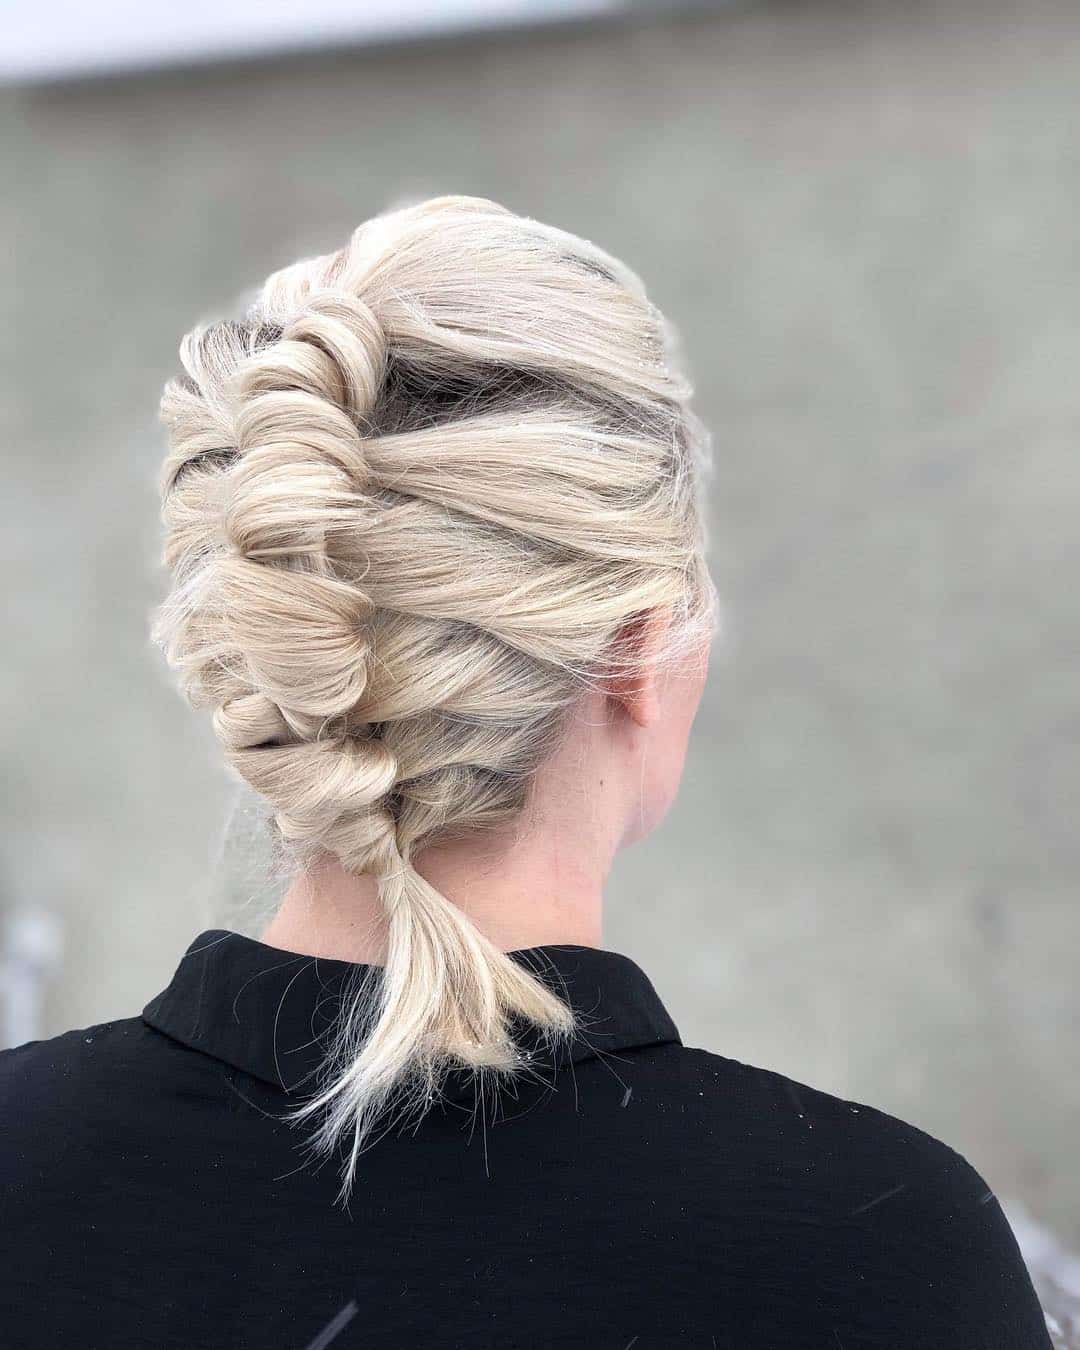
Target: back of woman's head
[[411, 502]]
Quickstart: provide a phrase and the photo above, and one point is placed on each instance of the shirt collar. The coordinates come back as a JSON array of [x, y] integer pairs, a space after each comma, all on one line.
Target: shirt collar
[[271, 1012]]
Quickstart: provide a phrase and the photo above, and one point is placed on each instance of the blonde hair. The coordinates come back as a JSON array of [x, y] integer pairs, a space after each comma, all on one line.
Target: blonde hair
[[409, 502]]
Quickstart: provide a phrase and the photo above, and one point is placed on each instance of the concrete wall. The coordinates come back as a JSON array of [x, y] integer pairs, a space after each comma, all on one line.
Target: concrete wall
[[863, 219]]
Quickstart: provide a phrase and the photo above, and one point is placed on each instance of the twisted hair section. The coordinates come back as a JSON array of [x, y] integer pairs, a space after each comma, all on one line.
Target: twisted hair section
[[409, 502]]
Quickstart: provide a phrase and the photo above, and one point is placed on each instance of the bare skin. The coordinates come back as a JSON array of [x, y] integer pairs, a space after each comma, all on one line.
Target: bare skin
[[541, 879]]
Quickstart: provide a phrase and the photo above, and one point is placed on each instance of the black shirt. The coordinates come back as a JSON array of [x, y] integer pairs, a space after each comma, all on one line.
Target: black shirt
[[645, 1195]]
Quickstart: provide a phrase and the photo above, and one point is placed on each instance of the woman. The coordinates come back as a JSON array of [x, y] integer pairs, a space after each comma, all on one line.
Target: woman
[[433, 514]]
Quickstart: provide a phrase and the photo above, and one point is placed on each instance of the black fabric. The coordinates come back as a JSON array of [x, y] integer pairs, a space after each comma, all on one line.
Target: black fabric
[[633, 1192]]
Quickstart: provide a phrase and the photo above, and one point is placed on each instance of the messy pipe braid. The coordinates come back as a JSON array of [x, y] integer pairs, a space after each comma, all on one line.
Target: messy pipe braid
[[409, 502]]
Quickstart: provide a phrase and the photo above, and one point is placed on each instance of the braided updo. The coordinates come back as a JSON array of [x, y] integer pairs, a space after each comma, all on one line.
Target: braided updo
[[410, 500]]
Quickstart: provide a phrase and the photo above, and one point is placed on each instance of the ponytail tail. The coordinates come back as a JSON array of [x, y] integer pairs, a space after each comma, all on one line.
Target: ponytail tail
[[445, 998]]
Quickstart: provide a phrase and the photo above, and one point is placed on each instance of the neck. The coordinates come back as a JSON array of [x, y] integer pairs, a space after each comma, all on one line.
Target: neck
[[533, 891], [534, 881]]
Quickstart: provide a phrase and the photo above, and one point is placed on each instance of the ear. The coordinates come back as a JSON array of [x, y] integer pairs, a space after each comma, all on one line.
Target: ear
[[639, 644]]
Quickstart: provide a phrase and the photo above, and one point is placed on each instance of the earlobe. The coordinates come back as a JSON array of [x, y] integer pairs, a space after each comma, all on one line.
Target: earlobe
[[635, 696], [644, 707], [639, 644]]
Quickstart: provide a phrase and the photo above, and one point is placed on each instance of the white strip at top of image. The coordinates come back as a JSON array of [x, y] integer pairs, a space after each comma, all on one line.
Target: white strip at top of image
[[44, 40]]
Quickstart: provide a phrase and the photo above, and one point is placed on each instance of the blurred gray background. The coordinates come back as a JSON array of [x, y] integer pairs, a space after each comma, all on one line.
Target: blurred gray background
[[862, 218]]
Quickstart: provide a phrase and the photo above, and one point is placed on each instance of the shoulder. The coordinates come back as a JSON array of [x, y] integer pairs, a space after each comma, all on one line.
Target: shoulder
[[76, 1061], [800, 1138], [889, 1200], [870, 1156], [61, 1097], [785, 1108]]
